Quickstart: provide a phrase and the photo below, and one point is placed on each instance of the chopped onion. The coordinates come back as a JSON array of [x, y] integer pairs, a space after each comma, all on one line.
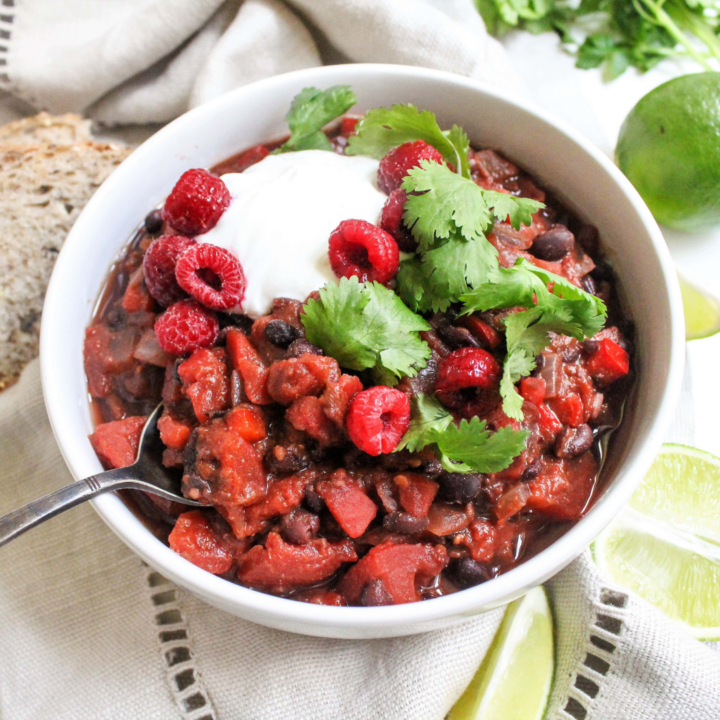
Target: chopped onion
[[148, 350], [552, 373]]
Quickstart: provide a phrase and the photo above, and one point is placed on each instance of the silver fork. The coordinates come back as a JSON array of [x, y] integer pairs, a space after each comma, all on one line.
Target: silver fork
[[146, 473]]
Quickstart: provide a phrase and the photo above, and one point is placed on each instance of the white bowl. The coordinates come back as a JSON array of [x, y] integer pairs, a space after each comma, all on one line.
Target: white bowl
[[579, 173]]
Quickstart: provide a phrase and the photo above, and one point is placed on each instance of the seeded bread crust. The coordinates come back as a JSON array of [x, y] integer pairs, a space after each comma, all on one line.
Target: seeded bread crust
[[45, 128], [43, 188]]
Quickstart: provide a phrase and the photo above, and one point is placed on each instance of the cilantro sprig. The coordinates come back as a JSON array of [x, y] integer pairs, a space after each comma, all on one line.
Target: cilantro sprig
[[365, 325], [383, 129], [554, 305], [465, 448], [310, 111]]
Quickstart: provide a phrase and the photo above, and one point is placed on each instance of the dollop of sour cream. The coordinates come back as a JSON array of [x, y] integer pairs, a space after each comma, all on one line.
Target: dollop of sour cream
[[281, 215]]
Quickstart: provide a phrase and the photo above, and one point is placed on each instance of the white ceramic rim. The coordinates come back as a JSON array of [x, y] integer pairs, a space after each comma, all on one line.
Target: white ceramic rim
[[467, 602]]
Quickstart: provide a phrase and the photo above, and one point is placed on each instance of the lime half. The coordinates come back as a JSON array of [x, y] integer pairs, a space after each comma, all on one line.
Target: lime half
[[702, 312], [514, 680], [666, 546]]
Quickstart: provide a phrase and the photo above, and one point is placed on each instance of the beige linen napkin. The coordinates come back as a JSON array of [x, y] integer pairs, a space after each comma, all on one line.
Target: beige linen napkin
[[143, 61]]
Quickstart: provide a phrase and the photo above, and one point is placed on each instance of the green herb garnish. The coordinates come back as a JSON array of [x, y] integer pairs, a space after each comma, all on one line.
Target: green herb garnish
[[365, 325], [383, 129], [467, 447], [310, 111]]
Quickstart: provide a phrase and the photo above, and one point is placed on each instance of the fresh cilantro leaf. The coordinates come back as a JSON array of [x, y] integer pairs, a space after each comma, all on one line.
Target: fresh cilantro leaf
[[517, 365], [518, 210], [468, 447], [429, 417], [383, 129], [446, 204], [365, 325], [312, 109]]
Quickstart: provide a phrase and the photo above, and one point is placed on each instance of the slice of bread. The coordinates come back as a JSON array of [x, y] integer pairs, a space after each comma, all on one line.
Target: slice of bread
[[46, 128], [43, 188]]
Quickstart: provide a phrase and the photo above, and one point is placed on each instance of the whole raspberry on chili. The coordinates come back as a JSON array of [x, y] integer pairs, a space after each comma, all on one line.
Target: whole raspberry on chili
[[159, 268], [391, 221], [395, 165], [359, 248], [186, 326], [462, 369], [212, 275], [196, 203], [377, 418]]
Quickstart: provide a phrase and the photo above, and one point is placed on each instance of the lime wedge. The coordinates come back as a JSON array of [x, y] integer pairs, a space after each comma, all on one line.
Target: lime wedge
[[702, 312], [514, 680], [666, 545]]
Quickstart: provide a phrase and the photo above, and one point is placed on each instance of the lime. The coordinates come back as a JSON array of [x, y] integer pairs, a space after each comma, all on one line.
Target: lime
[[669, 148], [514, 680], [702, 312], [666, 546]]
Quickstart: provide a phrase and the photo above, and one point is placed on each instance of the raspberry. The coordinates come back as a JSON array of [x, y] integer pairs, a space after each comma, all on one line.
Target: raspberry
[[361, 249], [159, 268], [212, 275], [395, 165], [186, 326], [462, 369], [391, 221], [377, 418], [196, 202]]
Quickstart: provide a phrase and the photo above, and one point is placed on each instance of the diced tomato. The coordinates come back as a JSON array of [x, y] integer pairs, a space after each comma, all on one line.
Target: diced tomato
[[206, 381], [512, 502], [348, 503], [249, 158], [247, 421], [416, 493], [117, 442], [447, 519], [400, 568], [548, 421], [280, 567], [283, 495], [563, 488], [348, 124], [337, 397], [321, 597], [533, 390], [136, 295], [493, 543], [247, 361], [569, 409], [289, 380], [307, 415], [609, 363], [194, 539], [481, 330], [174, 433]]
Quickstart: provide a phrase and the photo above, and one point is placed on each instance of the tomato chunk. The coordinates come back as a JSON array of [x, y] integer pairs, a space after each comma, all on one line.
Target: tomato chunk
[[609, 363], [136, 295], [563, 488], [206, 381], [307, 414], [348, 503], [280, 567], [416, 493], [400, 569], [247, 421], [174, 433], [194, 539], [247, 361], [282, 496], [117, 442]]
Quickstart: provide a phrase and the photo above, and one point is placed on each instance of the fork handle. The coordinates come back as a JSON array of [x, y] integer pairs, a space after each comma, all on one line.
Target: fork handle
[[17, 522]]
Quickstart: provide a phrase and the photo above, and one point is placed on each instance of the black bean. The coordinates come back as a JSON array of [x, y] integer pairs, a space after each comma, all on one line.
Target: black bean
[[459, 487], [313, 501], [432, 468], [154, 222], [299, 526], [572, 442], [532, 470], [457, 337], [404, 523], [466, 572], [301, 347], [553, 244], [286, 459], [588, 237], [280, 333], [375, 594], [590, 347], [588, 284], [571, 353]]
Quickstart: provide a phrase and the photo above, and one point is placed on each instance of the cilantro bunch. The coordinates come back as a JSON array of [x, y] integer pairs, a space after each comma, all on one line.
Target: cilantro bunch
[[617, 33]]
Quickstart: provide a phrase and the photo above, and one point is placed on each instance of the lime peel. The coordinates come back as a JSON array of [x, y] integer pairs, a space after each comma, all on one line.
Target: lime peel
[[702, 311]]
